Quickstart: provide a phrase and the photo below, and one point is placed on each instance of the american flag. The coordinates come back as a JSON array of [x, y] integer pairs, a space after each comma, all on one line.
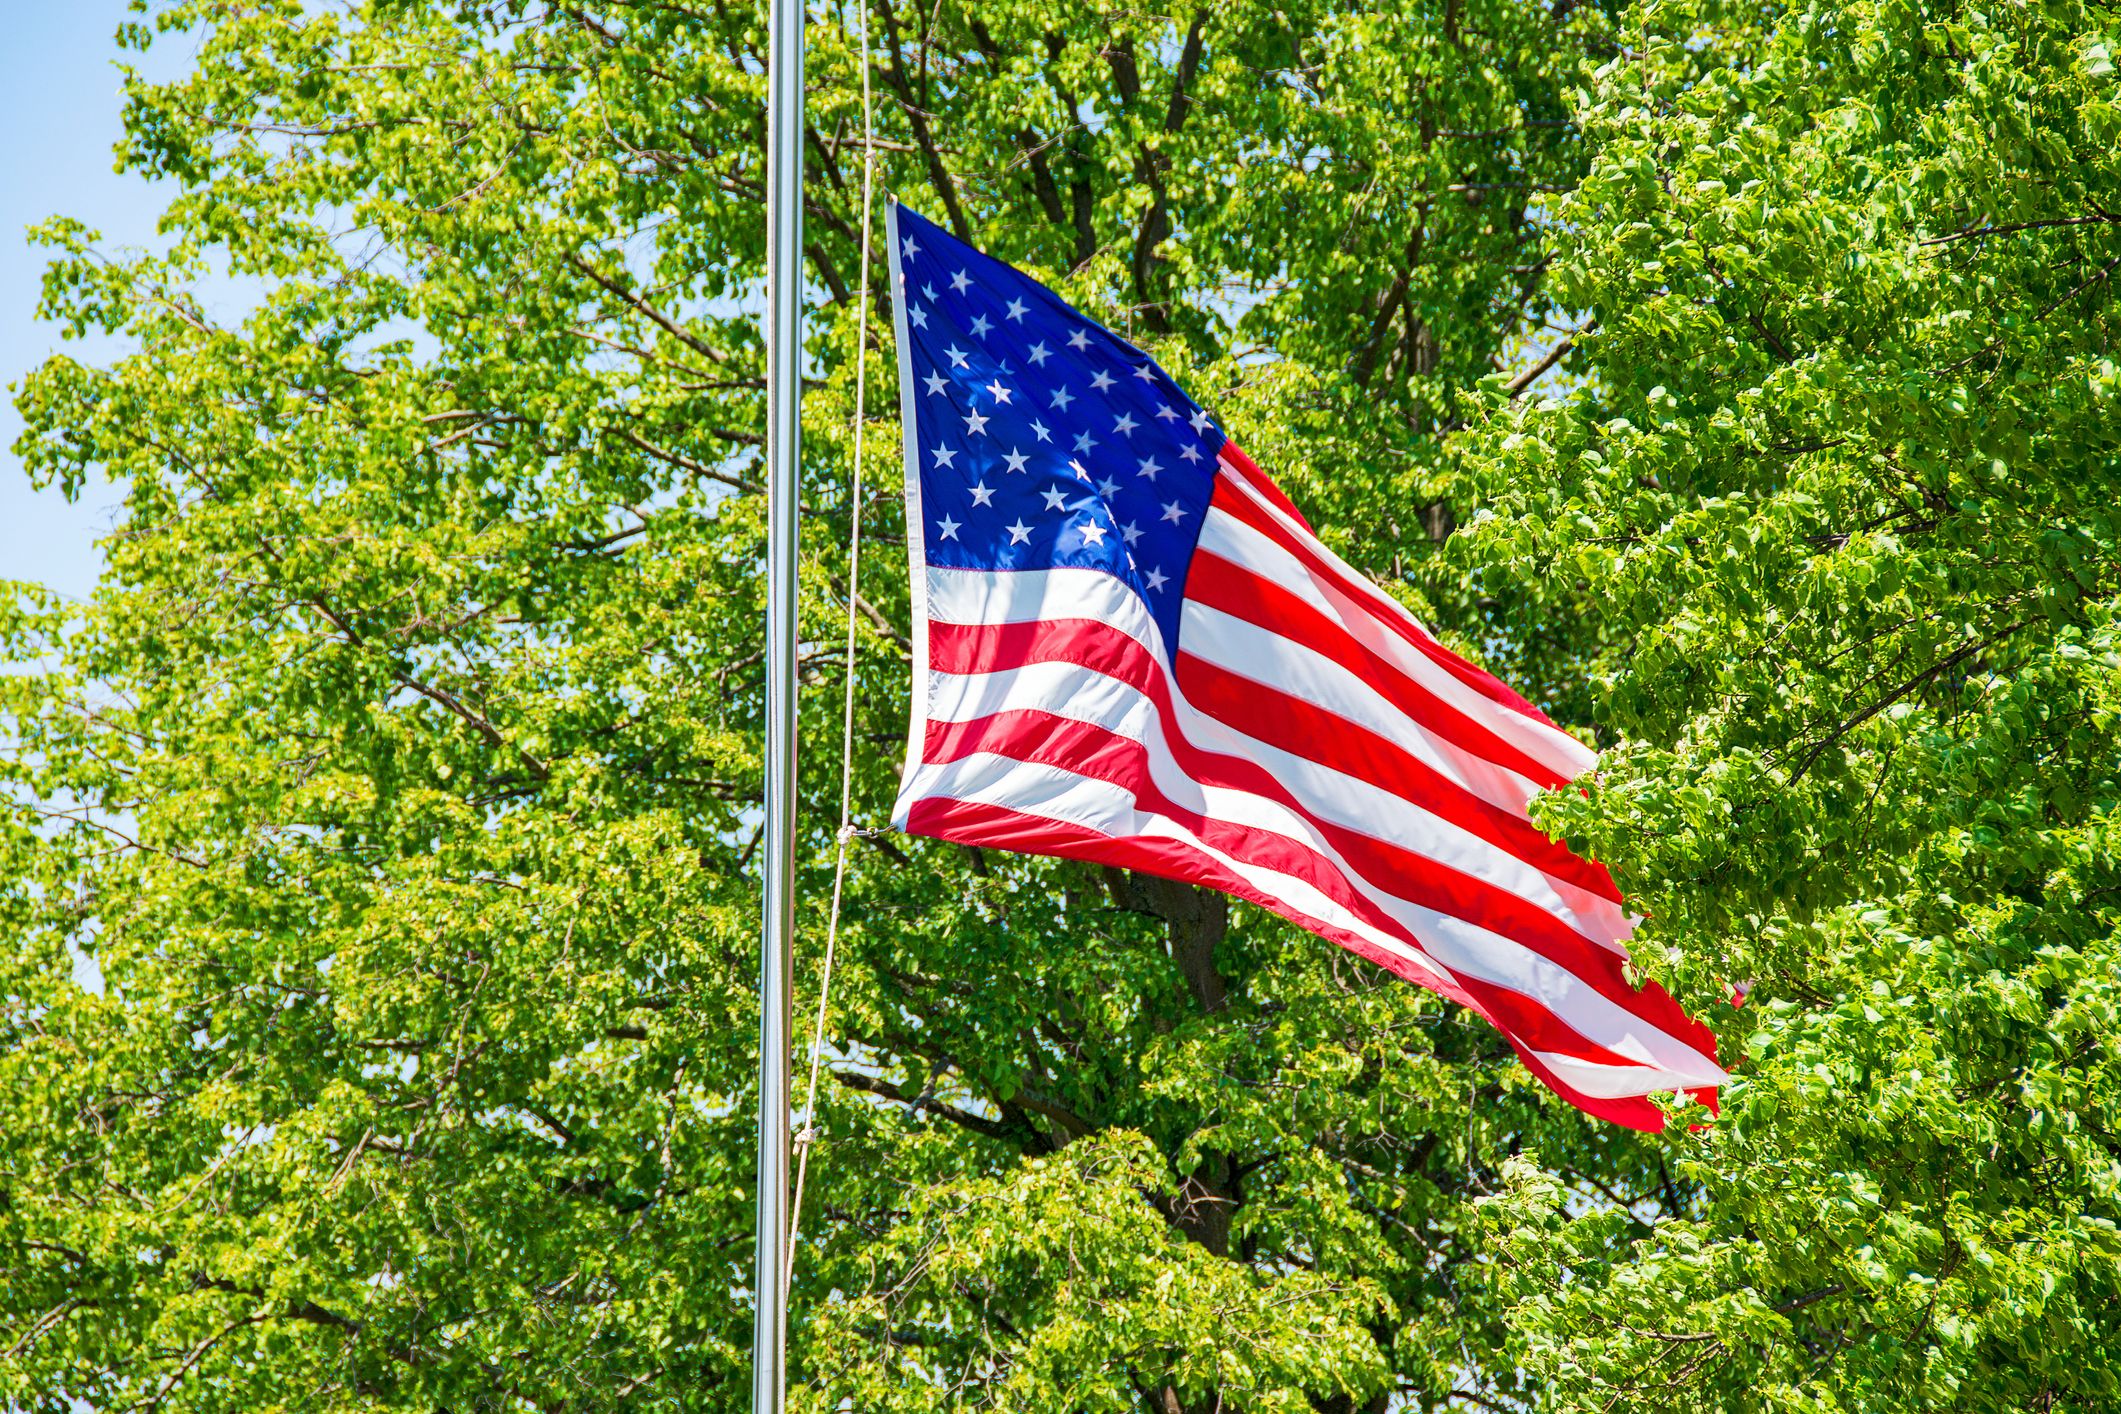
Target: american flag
[[1130, 648]]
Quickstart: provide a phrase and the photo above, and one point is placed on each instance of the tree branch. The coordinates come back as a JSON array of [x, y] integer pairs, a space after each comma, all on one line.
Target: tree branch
[[938, 174], [1516, 386], [646, 310], [1894, 695], [1980, 231], [965, 1119]]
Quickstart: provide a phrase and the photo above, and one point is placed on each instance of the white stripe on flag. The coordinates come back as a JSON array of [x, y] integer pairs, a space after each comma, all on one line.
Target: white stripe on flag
[[1086, 695], [1225, 535], [1456, 945]]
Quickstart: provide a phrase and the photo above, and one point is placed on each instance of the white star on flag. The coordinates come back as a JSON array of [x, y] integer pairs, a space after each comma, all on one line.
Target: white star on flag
[[948, 527]]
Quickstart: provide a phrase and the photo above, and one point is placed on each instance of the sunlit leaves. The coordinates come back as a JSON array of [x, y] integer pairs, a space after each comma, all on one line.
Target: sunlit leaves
[[412, 736], [1839, 504]]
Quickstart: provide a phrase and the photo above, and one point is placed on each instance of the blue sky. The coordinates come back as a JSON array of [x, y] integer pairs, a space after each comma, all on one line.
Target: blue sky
[[59, 104]]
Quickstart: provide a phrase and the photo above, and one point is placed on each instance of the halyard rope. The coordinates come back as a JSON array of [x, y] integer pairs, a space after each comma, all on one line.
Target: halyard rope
[[806, 1136]]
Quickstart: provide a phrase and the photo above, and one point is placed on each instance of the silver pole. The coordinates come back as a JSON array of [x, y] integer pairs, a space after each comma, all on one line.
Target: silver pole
[[784, 390]]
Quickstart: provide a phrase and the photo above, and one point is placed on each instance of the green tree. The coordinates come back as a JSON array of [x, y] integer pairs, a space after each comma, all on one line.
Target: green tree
[[1836, 541], [400, 777]]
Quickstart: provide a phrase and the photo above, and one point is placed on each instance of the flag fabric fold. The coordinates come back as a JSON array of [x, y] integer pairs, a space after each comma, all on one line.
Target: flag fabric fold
[[1130, 648]]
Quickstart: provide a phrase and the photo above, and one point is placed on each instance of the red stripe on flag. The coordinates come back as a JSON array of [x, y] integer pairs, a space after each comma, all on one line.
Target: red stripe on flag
[[1087, 643], [1095, 753], [993, 826], [1230, 495], [1286, 722], [1219, 584], [1263, 483], [1315, 734]]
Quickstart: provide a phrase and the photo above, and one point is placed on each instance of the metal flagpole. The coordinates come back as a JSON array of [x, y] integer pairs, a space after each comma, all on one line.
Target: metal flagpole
[[784, 388]]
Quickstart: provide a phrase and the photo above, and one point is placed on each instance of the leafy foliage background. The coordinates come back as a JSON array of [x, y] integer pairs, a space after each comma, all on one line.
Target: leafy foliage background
[[401, 775]]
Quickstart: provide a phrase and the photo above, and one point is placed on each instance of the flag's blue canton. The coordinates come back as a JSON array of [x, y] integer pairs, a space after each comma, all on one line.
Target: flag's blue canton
[[1043, 438]]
